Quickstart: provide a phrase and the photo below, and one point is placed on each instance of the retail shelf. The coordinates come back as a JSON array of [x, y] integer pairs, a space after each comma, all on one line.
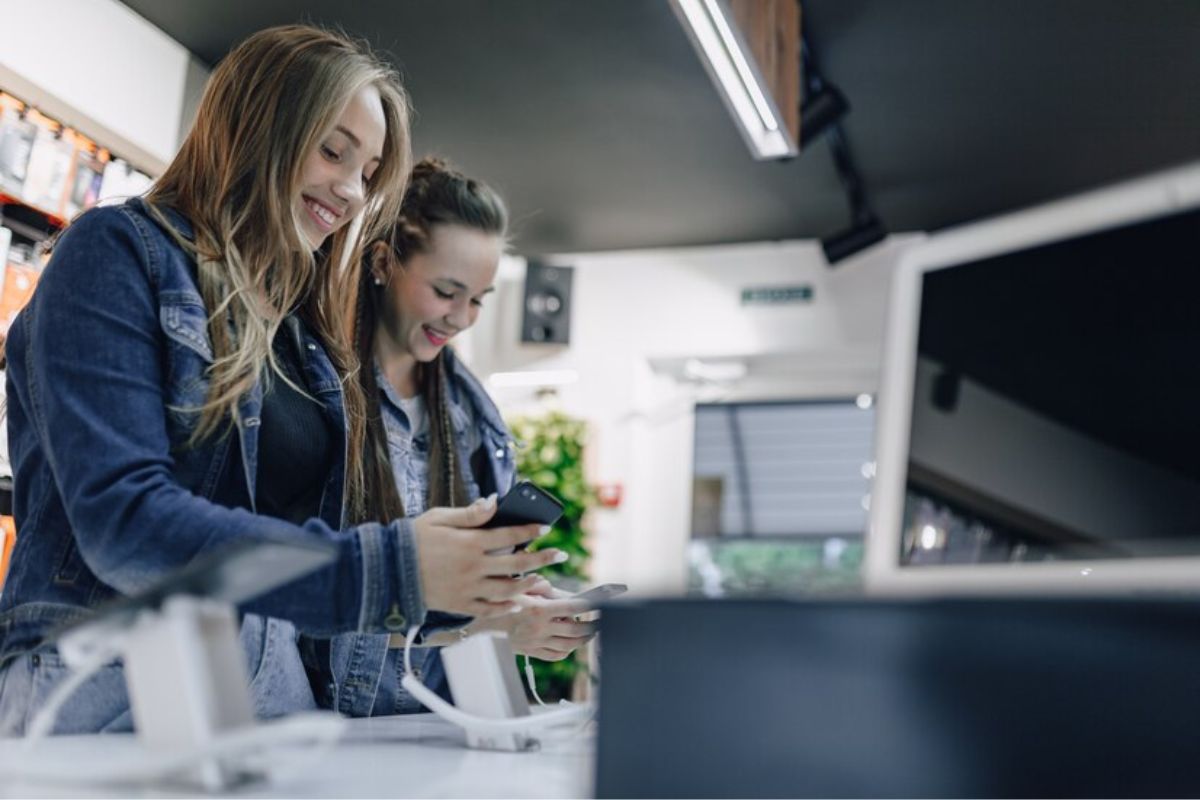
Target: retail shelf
[[7, 199]]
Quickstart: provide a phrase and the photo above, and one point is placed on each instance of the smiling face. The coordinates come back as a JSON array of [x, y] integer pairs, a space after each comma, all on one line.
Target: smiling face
[[437, 293], [334, 177]]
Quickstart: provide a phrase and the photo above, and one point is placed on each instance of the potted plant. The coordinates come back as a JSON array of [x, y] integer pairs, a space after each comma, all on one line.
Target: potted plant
[[550, 455]]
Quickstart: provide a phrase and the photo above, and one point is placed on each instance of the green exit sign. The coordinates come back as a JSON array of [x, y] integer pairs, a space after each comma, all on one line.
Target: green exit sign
[[777, 295]]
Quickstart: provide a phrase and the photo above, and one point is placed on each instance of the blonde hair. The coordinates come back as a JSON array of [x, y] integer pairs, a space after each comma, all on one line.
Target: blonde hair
[[269, 104]]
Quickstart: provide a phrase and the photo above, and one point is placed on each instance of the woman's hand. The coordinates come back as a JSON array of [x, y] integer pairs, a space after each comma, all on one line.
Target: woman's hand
[[545, 626], [467, 570]]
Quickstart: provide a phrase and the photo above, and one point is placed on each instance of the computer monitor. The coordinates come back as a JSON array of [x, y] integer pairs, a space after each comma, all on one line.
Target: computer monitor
[[948, 697], [1037, 425]]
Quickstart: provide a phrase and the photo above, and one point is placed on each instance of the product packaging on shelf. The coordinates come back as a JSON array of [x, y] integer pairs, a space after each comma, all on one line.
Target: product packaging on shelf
[[49, 163], [16, 144], [20, 277], [86, 178], [57, 170], [122, 181], [5, 241]]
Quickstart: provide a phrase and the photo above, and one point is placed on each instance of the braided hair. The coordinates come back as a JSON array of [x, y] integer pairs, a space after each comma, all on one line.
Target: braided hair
[[437, 194]]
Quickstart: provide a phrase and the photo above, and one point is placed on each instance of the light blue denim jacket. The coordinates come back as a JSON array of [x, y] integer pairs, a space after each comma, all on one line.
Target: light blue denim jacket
[[358, 676], [104, 364]]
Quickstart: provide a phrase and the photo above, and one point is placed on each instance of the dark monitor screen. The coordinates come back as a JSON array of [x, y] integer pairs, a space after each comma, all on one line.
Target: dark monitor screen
[[870, 698], [1053, 405]]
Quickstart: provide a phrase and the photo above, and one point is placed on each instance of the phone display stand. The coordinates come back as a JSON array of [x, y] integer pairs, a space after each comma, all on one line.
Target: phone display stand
[[186, 678], [184, 667], [482, 672]]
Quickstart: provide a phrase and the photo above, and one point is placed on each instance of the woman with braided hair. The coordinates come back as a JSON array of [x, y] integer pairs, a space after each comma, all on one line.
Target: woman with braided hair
[[439, 439]]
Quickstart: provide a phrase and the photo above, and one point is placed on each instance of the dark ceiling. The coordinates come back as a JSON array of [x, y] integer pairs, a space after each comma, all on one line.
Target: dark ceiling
[[597, 121]]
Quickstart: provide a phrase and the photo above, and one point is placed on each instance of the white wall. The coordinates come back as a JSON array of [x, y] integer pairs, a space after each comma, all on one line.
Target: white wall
[[636, 317], [98, 66]]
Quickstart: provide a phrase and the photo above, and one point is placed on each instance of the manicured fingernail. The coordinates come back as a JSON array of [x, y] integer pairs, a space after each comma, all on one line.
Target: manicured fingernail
[[542, 531], [515, 608], [561, 557]]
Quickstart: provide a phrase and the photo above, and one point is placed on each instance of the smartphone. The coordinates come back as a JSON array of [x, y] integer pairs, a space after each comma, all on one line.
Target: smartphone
[[525, 504], [599, 594]]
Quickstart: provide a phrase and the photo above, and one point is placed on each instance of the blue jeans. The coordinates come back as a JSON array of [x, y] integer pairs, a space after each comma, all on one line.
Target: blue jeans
[[278, 684]]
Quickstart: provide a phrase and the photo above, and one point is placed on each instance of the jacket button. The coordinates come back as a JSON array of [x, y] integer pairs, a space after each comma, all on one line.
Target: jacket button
[[394, 621], [312, 347], [500, 452]]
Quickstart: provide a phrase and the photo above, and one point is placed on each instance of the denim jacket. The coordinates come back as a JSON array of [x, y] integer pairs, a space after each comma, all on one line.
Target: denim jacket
[[105, 364], [359, 678]]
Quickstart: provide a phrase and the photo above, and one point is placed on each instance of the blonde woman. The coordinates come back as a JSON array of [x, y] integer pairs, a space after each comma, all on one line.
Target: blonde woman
[[184, 377], [439, 438]]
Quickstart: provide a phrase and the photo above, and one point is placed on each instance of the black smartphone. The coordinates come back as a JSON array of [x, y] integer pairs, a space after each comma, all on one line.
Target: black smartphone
[[525, 504]]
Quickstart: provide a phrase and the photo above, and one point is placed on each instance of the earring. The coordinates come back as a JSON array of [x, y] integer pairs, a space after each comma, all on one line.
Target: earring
[[378, 281]]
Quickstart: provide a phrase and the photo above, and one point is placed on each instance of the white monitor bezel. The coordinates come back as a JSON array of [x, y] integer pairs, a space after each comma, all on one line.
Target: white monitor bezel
[[1154, 196]]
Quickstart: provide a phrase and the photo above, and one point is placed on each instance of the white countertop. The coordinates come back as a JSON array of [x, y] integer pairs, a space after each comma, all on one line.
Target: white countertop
[[410, 756]]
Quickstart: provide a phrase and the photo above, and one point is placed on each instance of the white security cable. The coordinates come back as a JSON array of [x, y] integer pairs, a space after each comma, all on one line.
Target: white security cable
[[570, 714], [532, 681]]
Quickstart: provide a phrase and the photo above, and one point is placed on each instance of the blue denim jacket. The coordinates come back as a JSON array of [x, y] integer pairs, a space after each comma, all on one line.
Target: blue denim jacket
[[361, 678], [104, 364]]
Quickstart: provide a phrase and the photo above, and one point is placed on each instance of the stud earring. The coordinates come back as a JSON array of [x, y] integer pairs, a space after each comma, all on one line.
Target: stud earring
[[378, 281]]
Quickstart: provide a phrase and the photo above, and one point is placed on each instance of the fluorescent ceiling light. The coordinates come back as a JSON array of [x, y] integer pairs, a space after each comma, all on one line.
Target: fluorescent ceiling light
[[714, 371], [725, 57], [536, 378]]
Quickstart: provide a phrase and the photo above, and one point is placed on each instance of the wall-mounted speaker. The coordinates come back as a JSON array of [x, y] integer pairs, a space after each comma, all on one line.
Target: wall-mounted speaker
[[546, 318]]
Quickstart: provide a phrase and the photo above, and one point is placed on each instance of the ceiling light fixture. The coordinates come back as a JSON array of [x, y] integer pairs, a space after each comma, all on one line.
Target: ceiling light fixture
[[821, 108], [820, 116], [823, 105], [714, 371], [724, 54], [533, 378]]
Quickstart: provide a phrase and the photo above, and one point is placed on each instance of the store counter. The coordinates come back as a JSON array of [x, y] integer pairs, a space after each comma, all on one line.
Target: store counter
[[410, 756]]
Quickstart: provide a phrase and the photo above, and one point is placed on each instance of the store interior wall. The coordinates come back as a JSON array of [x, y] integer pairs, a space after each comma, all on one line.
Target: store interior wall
[[106, 71], [636, 318]]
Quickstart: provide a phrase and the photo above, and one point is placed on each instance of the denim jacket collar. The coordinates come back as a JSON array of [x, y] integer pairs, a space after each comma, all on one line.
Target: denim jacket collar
[[181, 224], [466, 382]]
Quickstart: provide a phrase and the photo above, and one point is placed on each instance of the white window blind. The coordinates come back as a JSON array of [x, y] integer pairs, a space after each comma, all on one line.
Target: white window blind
[[782, 469]]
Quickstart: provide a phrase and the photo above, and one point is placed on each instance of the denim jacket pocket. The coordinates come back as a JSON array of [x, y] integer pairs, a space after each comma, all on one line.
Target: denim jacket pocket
[[99, 704], [189, 354], [185, 320], [278, 683]]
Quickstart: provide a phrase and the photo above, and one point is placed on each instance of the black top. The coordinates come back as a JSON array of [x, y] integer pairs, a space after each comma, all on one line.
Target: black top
[[296, 440]]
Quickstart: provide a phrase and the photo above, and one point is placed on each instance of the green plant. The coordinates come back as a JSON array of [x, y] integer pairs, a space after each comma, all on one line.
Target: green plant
[[550, 454]]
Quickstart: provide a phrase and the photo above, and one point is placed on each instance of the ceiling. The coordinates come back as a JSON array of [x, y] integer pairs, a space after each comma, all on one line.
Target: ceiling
[[598, 123]]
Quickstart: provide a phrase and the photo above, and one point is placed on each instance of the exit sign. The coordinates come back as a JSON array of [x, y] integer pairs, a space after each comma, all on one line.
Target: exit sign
[[777, 295]]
